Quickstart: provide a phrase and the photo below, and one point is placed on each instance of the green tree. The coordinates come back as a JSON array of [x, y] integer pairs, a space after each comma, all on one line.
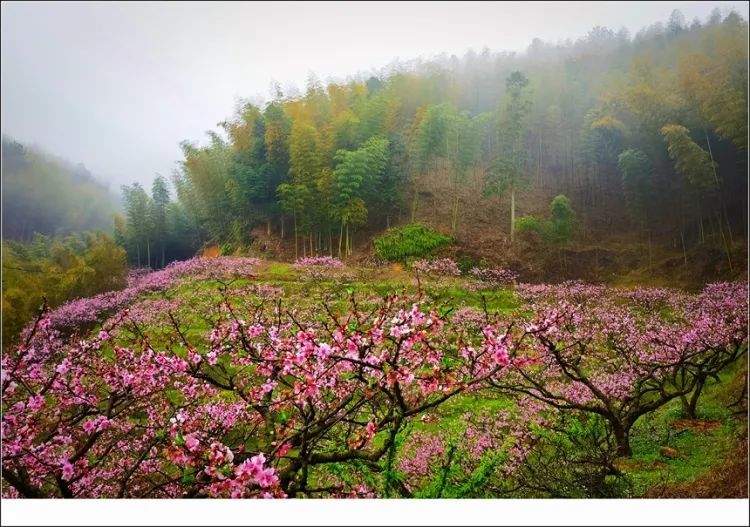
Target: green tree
[[507, 173], [557, 230], [637, 176], [159, 202], [430, 143], [690, 160], [357, 175], [139, 225]]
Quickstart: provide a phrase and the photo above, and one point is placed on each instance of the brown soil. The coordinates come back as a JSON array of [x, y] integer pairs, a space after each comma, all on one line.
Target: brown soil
[[695, 425], [212, 251], [632, 465], [727, 480]]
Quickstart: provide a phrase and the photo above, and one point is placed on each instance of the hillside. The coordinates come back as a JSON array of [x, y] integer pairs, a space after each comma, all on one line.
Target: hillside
[[502, 276], [194, 343], [49, 196], [646, 136]]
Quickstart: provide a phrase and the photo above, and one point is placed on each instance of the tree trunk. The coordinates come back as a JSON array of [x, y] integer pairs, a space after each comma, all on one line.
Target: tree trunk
[[539, 162], [729, 226], [512, 214], [726, 242], [690, 406], [684, 250], [282, 226], [414, 206], [622, 438], [341, 236], [296, 250], [148, 252], [650, 254], [454, 222]]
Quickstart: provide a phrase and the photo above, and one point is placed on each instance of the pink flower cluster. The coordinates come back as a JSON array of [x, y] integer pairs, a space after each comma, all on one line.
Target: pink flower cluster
[[598, 347], [493, 277], [108, 416], [438, 267], [317, 267], [503, 437], [469, 317], [137, 274], [86, 311], [267, 397]]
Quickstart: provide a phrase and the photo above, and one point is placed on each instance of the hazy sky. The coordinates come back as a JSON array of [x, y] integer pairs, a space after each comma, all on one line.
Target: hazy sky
[[117, 86]]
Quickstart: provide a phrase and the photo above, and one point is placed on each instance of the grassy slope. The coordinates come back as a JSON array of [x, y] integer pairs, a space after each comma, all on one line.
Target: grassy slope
[[700, 451]]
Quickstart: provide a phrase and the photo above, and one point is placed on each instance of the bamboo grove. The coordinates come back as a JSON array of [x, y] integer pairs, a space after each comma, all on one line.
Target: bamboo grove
[[644, 135]]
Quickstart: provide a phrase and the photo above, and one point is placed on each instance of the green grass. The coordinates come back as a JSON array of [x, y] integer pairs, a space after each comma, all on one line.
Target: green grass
[[279, 271], [699, 450], [647, 467]]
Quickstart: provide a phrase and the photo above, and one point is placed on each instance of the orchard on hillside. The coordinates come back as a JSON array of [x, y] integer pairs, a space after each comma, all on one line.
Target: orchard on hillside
[[327, 399]]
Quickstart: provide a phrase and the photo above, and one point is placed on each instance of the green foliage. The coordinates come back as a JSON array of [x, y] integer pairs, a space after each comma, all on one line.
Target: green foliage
[[563, 114], [512, 121], [533, 224], [410, 241], [602, 137], [504, 174], [431, 136], [573, 460], [155, 230], [467, 263], [42, 194], [59, 269], [563, 219], [356, 175], [690, 160], [637, 182], [556, 230]]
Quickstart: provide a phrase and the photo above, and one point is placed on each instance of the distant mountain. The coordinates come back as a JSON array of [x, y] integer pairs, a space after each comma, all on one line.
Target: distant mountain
[[46, 194]]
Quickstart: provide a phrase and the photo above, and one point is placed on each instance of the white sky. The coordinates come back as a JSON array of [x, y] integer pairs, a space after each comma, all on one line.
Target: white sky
[[118, 85]]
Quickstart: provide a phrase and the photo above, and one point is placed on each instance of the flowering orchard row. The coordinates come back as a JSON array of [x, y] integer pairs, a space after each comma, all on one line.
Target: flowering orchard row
[[276, 402], [317, 267], [86, 311]]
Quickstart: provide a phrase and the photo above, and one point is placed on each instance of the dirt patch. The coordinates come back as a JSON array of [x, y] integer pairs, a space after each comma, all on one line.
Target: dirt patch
[[631, 465], [727, 480], [212, 251], [696, 425]]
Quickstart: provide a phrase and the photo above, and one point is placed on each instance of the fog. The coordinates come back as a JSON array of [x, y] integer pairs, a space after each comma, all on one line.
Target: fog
[[117, 86]]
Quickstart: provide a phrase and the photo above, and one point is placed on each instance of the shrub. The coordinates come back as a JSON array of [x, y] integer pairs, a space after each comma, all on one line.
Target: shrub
[[410, 241], [58, 269], [466, 263], [559, 229]]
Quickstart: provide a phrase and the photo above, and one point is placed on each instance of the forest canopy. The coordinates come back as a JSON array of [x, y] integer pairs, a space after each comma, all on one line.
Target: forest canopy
[[50, 196], [646, 136]]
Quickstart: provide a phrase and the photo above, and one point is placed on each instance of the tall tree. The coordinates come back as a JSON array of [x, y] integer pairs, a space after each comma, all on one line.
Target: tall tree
[[637, 173], [159, 201], [508, 172], [138, 209]]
